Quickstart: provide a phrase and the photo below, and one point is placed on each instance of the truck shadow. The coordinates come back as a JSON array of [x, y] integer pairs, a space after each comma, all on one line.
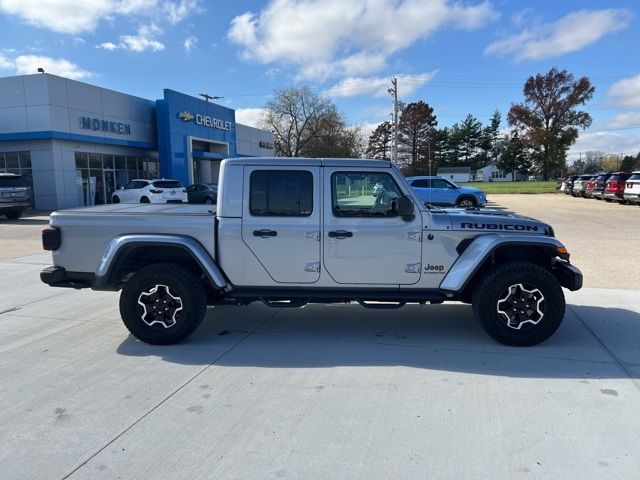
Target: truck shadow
[[434, 337]]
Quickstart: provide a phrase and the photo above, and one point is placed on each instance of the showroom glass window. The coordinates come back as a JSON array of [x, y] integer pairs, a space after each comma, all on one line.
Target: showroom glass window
[[99, 175], [20, 164], [281, 193]]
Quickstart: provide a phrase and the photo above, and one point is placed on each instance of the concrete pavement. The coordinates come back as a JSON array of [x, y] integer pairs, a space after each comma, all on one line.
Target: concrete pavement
[[323, 392]]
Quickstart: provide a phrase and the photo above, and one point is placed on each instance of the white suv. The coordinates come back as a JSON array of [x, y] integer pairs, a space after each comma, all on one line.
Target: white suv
[[632, 188], [151, 191]]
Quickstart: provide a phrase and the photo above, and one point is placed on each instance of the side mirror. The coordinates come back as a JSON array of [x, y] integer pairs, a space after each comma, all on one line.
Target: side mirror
[[405, 208]]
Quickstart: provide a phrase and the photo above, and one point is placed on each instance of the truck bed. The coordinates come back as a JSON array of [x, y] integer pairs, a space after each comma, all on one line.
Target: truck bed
[[86, 232]]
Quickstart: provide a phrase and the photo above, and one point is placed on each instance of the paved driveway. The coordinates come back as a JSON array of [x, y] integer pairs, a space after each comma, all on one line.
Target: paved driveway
[[324, 392]]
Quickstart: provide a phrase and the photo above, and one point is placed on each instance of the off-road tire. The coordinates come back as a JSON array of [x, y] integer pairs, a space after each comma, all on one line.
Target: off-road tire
[[13, 215], [466, 199], [497, 281], [183, 284]]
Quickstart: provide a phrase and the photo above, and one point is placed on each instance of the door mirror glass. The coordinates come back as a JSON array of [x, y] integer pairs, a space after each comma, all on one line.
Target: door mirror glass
[[405, 207]]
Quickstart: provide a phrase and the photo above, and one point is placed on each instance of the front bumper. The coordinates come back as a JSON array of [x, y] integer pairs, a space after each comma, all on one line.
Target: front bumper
[[569, 276], [59, 277]]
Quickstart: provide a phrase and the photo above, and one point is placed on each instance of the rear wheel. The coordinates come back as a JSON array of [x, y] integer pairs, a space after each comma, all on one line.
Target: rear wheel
[[208, 201], [163, 304], [145, 200], [115, 199], [13, 215], [519, 303], [466, 202]]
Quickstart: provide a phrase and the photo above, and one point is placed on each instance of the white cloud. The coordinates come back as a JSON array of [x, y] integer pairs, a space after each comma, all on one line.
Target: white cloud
[[144, 40], [624, 120], [608, 142], [626, 92], [79, 41], [181, 9], [190, 43], [250, 116], [377, 86], [6, 63], [569, 34], [110, 46], [74, 16], [27, 64], [329, 38]]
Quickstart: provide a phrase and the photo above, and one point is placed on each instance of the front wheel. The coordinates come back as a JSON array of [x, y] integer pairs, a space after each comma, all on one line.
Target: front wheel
[[13, 215], [145, 200], [466, 202], [208, 201], [163, 304], [115, 199], [519, 304]]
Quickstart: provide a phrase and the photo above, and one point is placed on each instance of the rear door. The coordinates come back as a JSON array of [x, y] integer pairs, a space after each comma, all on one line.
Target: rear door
[[281, 221]]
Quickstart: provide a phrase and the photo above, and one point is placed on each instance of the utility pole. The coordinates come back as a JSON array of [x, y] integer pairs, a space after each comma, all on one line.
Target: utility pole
[[393, 91]]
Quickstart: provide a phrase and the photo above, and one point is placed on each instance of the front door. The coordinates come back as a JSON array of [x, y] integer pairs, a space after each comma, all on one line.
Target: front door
[[365, 241], [281, 221]]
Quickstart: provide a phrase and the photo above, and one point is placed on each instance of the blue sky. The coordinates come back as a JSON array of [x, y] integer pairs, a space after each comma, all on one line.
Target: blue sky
[[469, 56]]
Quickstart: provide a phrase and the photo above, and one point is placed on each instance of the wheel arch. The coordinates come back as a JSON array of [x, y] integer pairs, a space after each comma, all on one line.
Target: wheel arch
[[487, 250], [125, 253]]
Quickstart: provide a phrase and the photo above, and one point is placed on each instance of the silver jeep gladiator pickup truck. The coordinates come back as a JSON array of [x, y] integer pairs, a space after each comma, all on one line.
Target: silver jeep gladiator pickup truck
[[291, 231]]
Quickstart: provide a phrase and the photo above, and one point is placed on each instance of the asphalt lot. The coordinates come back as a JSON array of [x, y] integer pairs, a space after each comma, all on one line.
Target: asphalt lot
[[323, 392]]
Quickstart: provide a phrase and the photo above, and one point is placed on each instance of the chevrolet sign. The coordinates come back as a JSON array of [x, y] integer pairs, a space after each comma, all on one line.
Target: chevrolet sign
[[205, 120]]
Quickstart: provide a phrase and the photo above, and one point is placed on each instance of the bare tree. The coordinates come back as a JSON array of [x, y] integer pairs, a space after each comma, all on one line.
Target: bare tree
[[416, 135]]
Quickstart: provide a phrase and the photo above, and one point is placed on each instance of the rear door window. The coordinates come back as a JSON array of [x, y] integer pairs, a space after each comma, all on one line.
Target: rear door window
[[285, 193], [424, 183]]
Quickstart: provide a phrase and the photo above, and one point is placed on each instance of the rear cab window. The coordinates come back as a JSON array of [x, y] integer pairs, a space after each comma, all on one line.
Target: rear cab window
[[284, 193]]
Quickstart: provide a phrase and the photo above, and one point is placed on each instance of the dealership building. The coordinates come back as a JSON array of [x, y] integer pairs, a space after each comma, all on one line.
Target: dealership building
[[76, 143]]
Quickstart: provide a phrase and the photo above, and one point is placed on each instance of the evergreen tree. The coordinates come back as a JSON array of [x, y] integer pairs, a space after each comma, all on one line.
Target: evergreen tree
[[416, 136], [381, 142]]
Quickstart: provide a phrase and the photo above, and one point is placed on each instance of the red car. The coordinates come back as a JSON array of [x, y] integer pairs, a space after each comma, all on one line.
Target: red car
[[614, 188]]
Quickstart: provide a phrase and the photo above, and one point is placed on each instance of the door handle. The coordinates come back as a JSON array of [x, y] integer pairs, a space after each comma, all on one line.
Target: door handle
[[264, 233], [340, 234]]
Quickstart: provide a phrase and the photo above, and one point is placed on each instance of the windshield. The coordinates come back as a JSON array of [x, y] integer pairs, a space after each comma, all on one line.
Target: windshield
[[11, 182]]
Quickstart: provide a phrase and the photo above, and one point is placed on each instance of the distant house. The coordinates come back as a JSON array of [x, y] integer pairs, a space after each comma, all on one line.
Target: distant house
[[491, 173], [455, 174]]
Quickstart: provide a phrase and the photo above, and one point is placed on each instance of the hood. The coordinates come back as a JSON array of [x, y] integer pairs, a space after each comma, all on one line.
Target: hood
[[494, 221]]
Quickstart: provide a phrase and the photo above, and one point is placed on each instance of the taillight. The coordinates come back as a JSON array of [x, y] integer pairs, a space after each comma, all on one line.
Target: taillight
[[155, 191], [51, 238]]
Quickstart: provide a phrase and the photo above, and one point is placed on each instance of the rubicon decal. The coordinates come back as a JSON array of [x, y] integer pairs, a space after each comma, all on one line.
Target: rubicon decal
[[499, 226]]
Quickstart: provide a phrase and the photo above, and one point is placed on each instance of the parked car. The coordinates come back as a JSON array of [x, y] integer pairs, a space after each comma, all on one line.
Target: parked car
[[203, 193], [614, 188], [14, 196], [440, 191], [632, 188], [599, 182], [580, 185], [151, 191]]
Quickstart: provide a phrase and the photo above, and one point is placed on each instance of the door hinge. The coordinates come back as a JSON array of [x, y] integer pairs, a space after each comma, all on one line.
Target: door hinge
[[417, 236], [312, 267], [412, 268], [313, 235]]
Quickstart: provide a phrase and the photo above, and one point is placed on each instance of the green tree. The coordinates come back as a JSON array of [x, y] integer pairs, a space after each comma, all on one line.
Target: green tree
[[381, 142], [470, 135], [416, 137], [491, 144], [549, 116], [515, 158]]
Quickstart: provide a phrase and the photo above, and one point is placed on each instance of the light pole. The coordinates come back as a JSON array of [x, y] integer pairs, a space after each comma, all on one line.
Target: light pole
[[393, 91]]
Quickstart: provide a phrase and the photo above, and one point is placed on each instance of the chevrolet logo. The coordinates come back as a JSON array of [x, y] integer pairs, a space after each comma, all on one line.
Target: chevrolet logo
[[185, 116]]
